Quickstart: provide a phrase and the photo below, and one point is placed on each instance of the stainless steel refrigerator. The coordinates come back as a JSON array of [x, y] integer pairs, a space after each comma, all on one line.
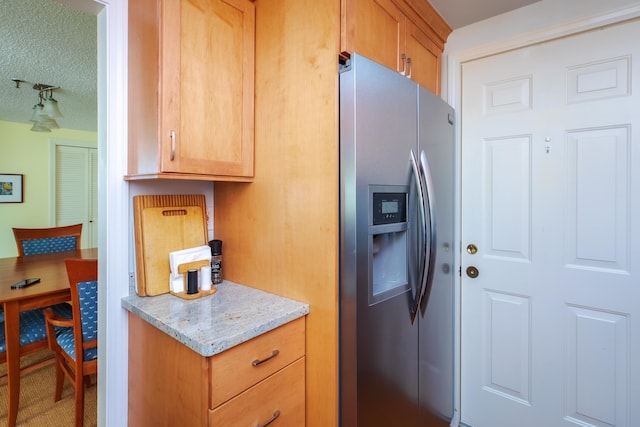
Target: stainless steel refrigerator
[[396, 250]]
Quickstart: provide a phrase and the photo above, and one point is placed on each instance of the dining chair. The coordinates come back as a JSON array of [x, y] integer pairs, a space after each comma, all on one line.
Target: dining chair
[[33, 335], [35, 241], [75, 341]]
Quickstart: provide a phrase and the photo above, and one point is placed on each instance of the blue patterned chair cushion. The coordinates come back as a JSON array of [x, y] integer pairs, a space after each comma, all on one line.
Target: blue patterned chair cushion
[[66, 342], [88, 295], [49, 245], [32, 326]]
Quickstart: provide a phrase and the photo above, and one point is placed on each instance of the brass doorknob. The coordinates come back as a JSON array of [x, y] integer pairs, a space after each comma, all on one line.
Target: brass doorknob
[[472, 272], [471, 248]]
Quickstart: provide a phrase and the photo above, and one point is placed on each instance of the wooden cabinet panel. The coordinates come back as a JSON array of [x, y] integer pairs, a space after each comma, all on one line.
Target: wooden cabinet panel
[[194, 118], [282, 230], [170, 384], [426, 59], [405, 35], [232, 371], [280, 397], [380, 31], [167, 380]]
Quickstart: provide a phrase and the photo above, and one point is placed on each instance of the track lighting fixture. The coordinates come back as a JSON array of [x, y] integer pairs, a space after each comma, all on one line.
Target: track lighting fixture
[[46, 110]]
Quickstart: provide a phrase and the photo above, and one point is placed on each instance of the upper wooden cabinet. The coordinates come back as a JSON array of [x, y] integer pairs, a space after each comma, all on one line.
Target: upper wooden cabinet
[[191, 89], [405, 35]]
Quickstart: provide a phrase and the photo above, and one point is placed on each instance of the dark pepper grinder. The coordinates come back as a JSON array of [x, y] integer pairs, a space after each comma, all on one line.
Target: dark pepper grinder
[[216, 261], [192, 282]]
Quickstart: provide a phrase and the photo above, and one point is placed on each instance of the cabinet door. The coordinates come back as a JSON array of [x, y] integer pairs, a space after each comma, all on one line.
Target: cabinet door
[[233, 371], [405, 35], [379, 32], [425, 59], [207, 87], [279, 399]]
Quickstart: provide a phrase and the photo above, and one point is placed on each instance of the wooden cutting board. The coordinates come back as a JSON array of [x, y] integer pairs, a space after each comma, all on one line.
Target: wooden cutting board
[[164, 224]]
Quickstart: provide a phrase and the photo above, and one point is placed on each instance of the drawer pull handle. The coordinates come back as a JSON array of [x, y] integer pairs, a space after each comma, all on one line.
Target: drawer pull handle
[[260, 362], [272, 419], [172, 135]]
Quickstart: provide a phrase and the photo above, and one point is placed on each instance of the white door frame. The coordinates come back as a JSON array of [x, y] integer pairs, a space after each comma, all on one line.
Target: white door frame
[[452, 67], [113, 207]]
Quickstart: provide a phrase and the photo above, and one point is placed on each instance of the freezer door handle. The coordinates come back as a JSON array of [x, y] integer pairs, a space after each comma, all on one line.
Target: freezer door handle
[[430, 241], [422, 277]]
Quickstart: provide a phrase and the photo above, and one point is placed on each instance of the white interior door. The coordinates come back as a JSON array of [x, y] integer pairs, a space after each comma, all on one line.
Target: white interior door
[[76, 190], [551, 203]]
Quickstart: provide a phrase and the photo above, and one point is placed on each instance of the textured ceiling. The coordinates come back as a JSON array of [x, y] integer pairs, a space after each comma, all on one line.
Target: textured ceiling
[[44, 41]]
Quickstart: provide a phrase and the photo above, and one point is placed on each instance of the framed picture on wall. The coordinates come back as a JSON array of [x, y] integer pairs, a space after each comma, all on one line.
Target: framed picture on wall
[[11, 190]]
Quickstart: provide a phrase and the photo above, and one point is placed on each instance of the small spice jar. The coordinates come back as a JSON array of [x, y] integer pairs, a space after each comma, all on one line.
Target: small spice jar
[[216, 261]]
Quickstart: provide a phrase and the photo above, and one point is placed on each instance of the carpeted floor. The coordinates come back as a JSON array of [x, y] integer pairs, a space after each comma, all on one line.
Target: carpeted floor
[[37, 407]]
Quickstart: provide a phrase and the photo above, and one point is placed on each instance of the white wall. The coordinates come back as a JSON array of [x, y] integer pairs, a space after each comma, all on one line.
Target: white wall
[[167, 187]]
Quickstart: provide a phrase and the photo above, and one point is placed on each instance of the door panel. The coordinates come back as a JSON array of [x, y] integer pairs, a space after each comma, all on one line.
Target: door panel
[[597, 164], [508, 358], [597, 362], [76, 190], [550, 200], [508, 186]]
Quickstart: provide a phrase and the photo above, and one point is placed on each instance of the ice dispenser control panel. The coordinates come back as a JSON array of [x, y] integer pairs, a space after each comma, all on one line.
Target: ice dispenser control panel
[[389, 208], [388, 242]]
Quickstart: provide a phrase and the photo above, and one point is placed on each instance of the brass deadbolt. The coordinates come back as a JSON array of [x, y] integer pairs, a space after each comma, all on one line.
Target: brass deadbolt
[[471, 248], [472, 272]]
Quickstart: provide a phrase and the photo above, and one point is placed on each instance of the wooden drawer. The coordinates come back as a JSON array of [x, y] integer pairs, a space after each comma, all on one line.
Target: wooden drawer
[[283, 393], [233, 371]]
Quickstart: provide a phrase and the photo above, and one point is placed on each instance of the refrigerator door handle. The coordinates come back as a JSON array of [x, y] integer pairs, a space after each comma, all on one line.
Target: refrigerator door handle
[[430, 241], [423, 229]]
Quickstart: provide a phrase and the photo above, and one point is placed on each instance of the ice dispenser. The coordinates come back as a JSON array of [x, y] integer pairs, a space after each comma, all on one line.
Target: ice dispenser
[[388, 242]]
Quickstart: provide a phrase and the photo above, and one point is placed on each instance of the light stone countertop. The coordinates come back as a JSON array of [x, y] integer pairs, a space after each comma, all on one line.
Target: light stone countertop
[[217, 322]]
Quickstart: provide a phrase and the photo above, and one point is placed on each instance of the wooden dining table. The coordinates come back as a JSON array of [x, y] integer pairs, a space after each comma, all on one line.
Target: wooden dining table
[[53, 288]]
